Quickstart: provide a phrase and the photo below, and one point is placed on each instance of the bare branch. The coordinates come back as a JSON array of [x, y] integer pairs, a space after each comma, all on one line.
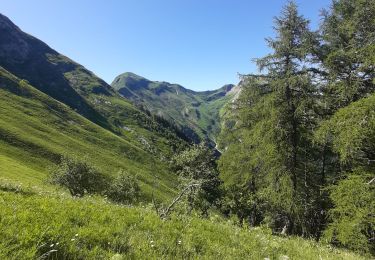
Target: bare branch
[[166, 212], [373, 179]]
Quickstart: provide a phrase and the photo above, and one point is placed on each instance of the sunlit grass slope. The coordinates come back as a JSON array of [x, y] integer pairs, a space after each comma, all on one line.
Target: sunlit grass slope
[[35, 130], [47, 226]]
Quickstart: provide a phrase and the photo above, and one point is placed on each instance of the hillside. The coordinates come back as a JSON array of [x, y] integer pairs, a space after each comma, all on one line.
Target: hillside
[[59, 227], [52, 106], [280, 166], [196, 113], [35, 130]]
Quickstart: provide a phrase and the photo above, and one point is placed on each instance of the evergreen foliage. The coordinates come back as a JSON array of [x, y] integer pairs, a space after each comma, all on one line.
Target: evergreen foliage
[[299, 152]]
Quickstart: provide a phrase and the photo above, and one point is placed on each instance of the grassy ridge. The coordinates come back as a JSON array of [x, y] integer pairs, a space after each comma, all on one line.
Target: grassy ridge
[[59, 227], [36, 129]]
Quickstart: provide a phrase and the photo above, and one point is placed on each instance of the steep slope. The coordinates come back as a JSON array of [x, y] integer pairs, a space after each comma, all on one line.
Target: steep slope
[[70, 83], [31, 59], [36, 129], [197, 113]]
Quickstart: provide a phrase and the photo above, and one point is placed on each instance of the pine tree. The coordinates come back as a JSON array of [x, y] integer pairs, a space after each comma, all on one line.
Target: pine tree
[[294, 100], [276, 119]]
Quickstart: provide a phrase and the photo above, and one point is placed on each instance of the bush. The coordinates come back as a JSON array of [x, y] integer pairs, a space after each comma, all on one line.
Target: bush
[[78, 176], [124, 188]]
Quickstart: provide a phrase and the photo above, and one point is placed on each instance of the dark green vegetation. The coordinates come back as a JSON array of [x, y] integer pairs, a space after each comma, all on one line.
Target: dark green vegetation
[[298, 158], [197, 114], [299, 146], [54, 226]]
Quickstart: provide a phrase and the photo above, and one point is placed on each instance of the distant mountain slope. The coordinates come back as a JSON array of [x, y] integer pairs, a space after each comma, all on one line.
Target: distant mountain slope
[[70, 83], [197, 113]]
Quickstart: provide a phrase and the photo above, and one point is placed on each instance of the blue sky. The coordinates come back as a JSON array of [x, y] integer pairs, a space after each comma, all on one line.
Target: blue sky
[[200, 44]]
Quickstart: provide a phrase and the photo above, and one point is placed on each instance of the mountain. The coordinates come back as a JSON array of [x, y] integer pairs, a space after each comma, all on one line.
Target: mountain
[[196, 113], [51, 105], [49, 71]]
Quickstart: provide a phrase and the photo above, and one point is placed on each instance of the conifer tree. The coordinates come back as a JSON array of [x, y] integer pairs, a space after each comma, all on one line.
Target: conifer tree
[[276, 121]]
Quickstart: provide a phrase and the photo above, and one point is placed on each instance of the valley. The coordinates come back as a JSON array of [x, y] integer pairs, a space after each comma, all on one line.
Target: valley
[[279, 165]]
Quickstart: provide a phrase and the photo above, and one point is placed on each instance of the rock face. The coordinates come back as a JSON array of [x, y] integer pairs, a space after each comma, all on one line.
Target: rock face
[[196, 113]]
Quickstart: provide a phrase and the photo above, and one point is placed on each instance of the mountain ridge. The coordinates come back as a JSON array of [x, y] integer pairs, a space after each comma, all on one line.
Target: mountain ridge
[[196, 112]]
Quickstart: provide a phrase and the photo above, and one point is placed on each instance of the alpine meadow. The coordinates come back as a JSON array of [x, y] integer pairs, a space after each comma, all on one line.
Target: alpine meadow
[[279, 165]]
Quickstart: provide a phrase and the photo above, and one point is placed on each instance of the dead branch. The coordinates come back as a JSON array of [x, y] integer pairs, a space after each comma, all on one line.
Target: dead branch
[[166, 212]]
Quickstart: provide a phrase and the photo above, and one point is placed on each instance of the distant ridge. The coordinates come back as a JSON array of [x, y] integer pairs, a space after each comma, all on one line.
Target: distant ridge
[[197, 113]]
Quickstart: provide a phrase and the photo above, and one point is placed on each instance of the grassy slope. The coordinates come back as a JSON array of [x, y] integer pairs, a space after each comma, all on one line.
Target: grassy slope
[[92, 228], [36, 129], [197, 110]]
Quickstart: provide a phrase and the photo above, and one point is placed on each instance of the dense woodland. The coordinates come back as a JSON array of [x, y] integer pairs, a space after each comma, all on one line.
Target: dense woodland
[[300, 145]]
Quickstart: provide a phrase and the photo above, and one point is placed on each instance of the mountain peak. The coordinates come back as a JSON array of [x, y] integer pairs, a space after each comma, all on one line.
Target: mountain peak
[[5, 22], [131, 75], [13, 47]]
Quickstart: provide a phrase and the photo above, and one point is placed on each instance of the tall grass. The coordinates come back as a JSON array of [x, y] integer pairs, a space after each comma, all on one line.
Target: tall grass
[[49, 225]]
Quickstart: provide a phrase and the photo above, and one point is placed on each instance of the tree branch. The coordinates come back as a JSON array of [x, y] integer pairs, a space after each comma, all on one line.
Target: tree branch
[[166, 212]]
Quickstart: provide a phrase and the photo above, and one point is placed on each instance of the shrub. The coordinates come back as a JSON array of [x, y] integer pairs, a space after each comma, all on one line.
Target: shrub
[[78, 176], [124, 188]]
